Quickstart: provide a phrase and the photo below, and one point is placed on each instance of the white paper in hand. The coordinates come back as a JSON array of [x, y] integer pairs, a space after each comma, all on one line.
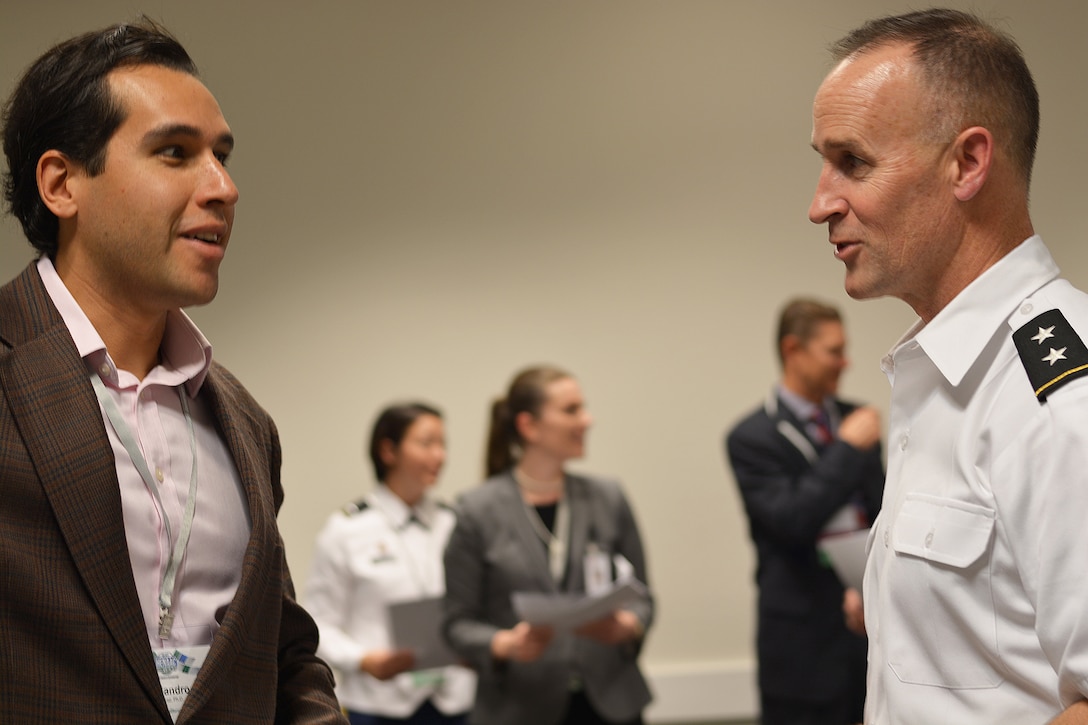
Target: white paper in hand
[[566, 611], [416, 626]]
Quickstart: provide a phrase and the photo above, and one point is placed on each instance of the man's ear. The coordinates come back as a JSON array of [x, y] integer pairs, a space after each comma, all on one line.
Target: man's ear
[[789, 345], [973, 153], [57, 177]]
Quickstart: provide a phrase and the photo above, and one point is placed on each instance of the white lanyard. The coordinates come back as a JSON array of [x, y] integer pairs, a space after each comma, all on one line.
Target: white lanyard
[[557, 542], [124, 433]]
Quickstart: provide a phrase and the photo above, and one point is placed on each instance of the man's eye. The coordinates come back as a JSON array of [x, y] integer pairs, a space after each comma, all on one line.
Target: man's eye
[[852, 163], [172, 152]]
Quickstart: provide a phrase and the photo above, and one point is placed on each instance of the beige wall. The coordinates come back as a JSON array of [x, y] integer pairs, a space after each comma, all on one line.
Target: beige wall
[[437, 193]]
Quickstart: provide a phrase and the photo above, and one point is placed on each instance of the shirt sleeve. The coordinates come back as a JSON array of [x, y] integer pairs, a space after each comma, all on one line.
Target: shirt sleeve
[[1041, 492], [328, 592], [465, 618]]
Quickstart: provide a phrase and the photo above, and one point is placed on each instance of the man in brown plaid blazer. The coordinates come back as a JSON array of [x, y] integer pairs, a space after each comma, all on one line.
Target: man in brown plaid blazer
[[142, 574]]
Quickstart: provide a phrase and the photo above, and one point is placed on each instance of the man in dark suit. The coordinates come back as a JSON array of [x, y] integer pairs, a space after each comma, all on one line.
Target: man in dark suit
[[143, 574], [808, 465]]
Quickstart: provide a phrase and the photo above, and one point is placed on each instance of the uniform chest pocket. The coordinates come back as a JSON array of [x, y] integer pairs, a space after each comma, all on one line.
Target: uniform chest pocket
[[944, 633], [379, 569], [943, 531]]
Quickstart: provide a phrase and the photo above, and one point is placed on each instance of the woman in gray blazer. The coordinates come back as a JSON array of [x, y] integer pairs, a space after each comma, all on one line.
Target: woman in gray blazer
[[534, 527]]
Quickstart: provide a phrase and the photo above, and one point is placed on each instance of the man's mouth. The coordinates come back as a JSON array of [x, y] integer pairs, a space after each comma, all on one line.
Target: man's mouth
[[842, 249]]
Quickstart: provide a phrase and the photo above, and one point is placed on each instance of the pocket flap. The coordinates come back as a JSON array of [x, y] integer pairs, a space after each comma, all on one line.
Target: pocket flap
[[943, 530]]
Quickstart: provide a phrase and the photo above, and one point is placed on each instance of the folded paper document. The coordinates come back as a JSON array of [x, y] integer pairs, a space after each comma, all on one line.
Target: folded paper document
[[847, 555], [566, 611], [417, 626]]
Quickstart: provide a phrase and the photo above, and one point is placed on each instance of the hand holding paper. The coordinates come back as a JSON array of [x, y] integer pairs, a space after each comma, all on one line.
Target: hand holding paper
[[567, 612], [616, 627], [386, 664], [524, 643], [415, 627]]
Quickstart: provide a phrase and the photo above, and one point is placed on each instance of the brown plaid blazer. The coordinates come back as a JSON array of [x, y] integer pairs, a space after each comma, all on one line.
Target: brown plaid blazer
[[73, 646]]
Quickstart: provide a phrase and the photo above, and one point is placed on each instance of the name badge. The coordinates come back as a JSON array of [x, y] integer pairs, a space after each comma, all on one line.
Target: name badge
[[178, 668], [598, 571]]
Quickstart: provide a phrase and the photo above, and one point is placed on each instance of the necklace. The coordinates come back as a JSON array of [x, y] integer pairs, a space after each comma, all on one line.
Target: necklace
[[537, 488]]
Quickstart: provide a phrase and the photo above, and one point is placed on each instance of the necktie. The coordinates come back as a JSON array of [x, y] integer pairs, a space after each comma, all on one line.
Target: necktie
[[821, 426]]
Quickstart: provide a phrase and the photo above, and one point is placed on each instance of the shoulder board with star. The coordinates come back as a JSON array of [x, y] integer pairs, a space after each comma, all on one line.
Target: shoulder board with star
[[355, 507], [1052, 353]]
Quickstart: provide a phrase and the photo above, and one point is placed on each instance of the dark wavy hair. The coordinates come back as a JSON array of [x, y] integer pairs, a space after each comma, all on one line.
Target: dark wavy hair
[[63, 102]]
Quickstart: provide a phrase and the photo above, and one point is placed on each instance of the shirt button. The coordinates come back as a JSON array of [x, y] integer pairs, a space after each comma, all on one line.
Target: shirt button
[[904, 440], [158, 475], [929, 539], [104, 370], [885, 538], [1026, 308]]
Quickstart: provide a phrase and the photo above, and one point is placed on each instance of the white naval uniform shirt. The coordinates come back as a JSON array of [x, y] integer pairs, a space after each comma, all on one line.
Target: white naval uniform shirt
[[364, 560], [976, 587]]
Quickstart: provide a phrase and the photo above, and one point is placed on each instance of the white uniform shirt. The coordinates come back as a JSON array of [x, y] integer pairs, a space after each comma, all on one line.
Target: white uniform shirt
[[365, 559], [976, 588]]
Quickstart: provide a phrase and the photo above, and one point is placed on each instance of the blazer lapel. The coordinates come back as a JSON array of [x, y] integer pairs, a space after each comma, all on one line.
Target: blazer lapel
[[581, 532], [48, 390], [233, 630], [528, 540], [787, 424]]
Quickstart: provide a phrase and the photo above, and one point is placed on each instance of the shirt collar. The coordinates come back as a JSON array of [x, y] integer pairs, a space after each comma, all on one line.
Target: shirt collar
[[801, 407], [954, 338], [399, 513], [186, 353]]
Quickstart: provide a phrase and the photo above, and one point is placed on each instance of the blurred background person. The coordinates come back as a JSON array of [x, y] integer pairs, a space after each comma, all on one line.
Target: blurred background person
[[808, 465], [383, 549], [533, 526]]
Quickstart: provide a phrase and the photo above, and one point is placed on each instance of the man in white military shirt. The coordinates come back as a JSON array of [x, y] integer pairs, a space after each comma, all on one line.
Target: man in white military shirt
[[976, 593]]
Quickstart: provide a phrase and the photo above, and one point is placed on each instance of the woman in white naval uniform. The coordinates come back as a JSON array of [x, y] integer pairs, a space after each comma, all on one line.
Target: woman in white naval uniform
[[384, 549]]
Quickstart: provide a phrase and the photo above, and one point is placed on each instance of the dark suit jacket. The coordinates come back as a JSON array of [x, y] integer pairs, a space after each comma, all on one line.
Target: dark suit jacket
[[493, 552], [74, 645], [791, 487]]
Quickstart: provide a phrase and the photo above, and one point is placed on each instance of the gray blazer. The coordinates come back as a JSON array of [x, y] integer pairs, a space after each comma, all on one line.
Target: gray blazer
[[493, 552]]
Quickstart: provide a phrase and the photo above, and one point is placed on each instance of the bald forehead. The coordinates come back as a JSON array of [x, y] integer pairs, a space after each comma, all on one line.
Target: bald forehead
[[875, 69], [871, 95]]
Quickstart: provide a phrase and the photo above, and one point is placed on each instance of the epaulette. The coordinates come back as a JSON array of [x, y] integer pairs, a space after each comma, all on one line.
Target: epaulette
[[355, 507], [1052, 352]]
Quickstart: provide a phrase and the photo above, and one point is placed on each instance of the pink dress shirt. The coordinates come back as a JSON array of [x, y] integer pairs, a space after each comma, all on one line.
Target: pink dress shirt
[[211, 567]]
